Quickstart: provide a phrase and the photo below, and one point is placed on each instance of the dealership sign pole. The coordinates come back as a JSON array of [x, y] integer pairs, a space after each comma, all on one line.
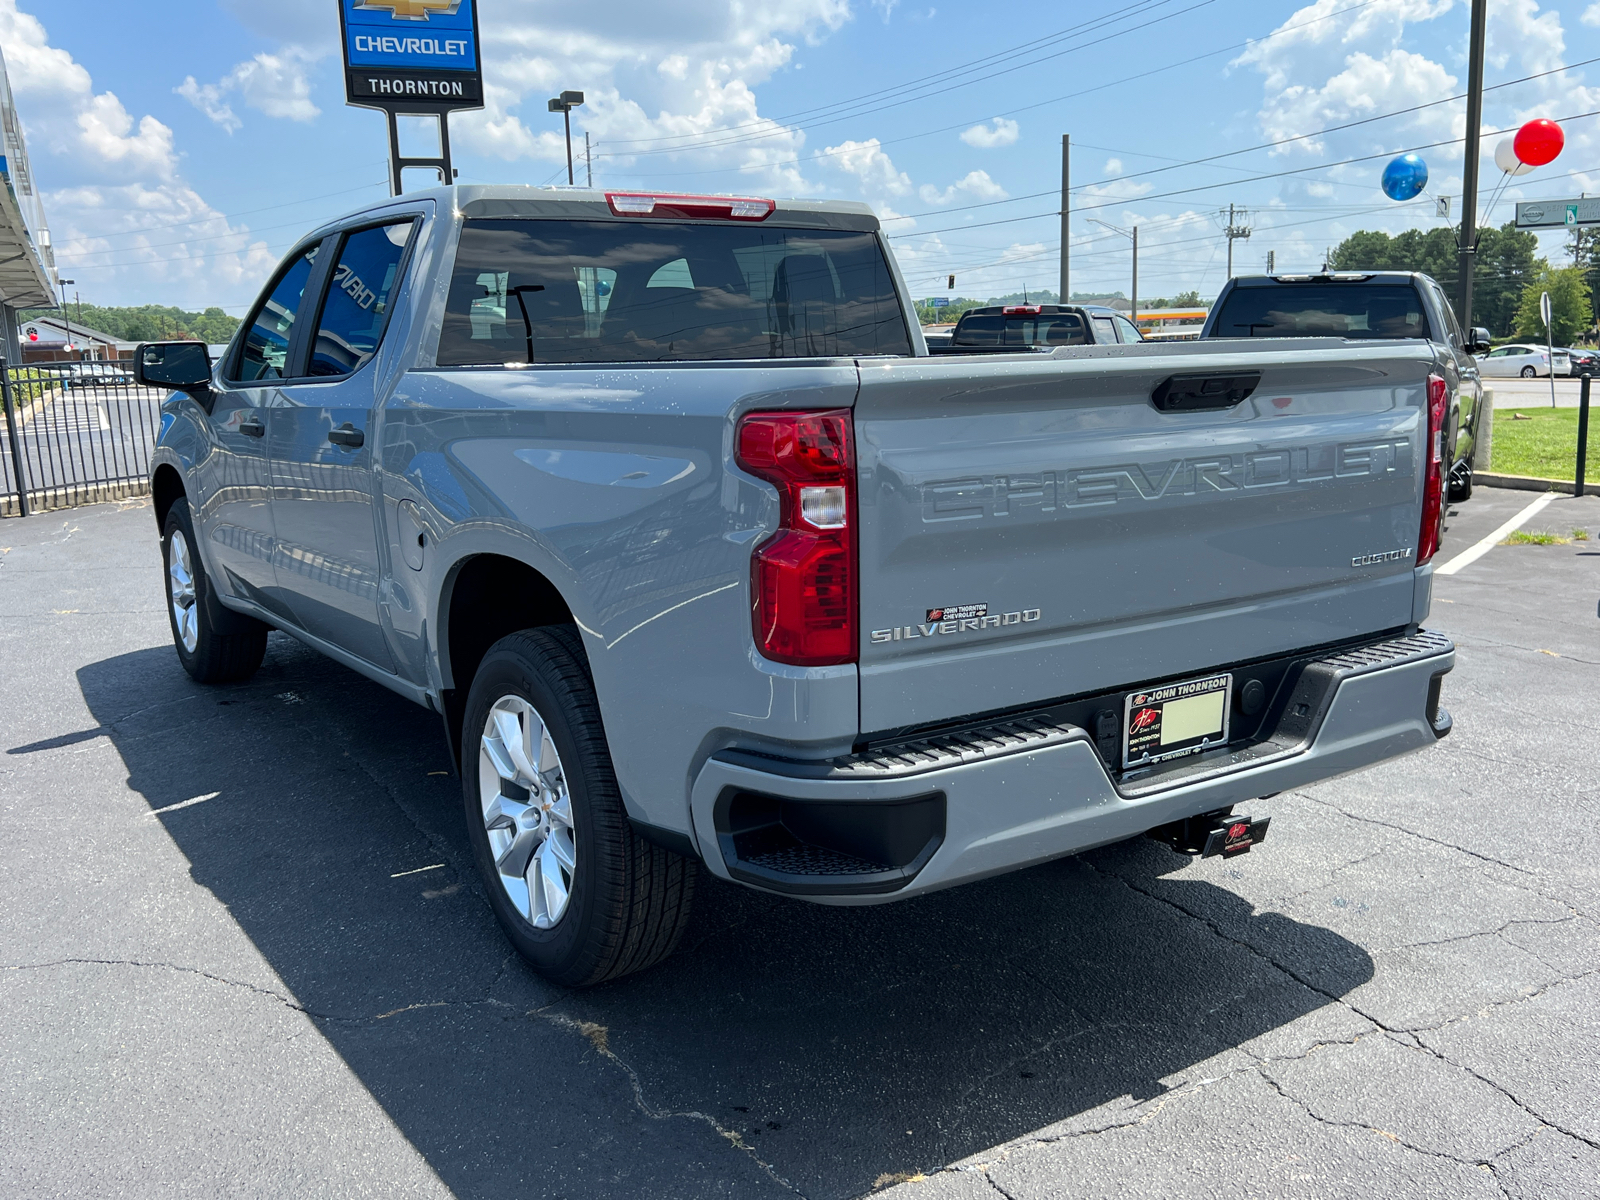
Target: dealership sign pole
[[412, 58]]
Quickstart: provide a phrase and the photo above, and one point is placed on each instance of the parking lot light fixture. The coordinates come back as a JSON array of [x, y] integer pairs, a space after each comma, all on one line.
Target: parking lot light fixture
[[1134, 234], [66, 315], [564, 104]]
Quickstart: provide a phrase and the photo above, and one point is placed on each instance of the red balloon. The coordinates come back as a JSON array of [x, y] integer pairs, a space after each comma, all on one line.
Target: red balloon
[[1538, 142]]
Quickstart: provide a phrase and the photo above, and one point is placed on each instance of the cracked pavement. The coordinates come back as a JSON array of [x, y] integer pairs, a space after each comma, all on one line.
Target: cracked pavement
[[243, 953]]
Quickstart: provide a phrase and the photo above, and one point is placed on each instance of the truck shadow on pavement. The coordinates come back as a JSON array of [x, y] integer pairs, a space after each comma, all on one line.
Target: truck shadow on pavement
[[786, 1047]]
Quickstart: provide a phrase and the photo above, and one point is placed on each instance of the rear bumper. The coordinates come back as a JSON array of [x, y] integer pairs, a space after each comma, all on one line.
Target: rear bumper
[[929, 814]]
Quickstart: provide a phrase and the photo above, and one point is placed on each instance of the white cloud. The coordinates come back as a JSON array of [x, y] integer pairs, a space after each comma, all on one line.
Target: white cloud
[[871, 166], [123, 223], [670, 88], [975, 185], [208, 99], [886, 7], [1003, 132], [1591, 15], [68, 115], [275, 84]]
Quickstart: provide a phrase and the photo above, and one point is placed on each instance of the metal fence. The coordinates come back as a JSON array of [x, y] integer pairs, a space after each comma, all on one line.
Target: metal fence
[[75, 433]]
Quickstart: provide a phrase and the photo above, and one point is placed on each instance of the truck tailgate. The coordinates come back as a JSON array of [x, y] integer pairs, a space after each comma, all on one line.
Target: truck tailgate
[[1035, 529]]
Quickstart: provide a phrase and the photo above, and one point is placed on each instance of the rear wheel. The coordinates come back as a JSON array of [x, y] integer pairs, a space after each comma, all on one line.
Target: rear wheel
[[578, 893], [1528, 372], [1461, 483], [214, 644]]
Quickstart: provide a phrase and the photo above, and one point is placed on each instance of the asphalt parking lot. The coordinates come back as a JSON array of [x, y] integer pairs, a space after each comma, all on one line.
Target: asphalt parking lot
[[243, 953]]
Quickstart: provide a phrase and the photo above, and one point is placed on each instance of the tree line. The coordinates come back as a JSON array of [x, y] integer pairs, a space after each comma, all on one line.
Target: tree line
[[143, 323], [1507, 280]]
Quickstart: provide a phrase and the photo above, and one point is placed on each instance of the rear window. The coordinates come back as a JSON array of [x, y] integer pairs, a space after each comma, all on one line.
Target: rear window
[[997, 329], [609, 291], [1352, 310]]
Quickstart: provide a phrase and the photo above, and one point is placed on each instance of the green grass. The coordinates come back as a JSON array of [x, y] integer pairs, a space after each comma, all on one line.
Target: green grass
[[1544, 444]]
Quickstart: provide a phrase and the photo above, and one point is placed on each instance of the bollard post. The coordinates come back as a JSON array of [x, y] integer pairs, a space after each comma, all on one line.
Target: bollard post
[[1583, 434], [11, 429]]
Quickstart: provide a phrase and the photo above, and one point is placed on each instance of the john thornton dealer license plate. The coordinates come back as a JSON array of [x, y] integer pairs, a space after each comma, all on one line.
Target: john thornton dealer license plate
[[1178, 719]]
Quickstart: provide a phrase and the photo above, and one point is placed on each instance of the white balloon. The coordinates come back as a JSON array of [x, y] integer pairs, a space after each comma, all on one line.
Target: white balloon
[[1505, 157]]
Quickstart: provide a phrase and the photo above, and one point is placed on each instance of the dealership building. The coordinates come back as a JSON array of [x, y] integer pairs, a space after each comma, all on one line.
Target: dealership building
[[27, 265]]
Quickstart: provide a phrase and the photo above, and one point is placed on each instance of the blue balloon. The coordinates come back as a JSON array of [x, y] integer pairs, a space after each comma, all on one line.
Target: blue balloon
[[1405, 177]]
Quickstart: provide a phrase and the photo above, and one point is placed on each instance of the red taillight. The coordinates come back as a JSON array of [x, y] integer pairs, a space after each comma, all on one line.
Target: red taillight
[[1022, 310], [665, 204], [1433, 470], [803, 578]]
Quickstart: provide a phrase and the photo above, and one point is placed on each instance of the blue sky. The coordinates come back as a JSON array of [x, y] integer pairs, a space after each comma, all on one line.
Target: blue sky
[[182, 145]]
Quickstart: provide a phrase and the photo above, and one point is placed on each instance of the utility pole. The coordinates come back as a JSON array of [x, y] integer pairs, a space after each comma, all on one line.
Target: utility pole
[[1134, 299], [1467, 243], [588, 157], [1235, 231], [1066, 210]]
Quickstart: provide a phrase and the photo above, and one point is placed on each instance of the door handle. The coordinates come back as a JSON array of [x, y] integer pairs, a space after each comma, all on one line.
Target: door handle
[[252, 428], [346, 435]]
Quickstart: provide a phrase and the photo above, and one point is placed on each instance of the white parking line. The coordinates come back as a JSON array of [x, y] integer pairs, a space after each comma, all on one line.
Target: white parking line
[[156, 812], [1478, 549]]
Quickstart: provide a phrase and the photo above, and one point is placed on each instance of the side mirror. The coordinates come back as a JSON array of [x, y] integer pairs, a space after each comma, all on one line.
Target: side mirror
[[1480, 340], [183, 366]]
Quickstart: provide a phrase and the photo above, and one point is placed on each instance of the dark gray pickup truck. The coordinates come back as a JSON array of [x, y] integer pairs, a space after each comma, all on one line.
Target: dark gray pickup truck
[[661, 504], [1368, 306]]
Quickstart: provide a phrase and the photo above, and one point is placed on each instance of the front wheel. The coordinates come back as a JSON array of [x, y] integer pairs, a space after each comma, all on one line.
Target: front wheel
[[581, 896], [1529, 372], [214, 644]]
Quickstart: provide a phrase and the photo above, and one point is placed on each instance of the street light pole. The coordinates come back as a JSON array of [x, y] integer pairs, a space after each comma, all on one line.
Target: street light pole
[[1134, 234], [564, 104], [66, 314]]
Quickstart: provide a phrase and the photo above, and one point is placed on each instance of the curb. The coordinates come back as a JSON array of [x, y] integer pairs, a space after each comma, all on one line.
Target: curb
[[1528, 483]]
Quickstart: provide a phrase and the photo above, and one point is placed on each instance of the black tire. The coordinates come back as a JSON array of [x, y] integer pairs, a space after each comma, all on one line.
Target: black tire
[[1528, 372], [228, 646], [629, 899], [1461, 484]]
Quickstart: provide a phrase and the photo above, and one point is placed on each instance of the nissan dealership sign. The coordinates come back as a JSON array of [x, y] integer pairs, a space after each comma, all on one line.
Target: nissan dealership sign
[[411, 55]]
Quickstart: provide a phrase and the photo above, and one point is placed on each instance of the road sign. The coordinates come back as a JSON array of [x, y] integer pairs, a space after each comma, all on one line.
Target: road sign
[[1553, 214], [1544, 307], [939, 302]]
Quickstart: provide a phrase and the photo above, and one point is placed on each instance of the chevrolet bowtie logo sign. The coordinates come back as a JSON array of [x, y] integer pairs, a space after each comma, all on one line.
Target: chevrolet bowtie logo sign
[[410, 10]]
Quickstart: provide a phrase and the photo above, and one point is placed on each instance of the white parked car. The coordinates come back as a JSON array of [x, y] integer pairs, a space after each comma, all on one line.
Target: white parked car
[[1524, 360]]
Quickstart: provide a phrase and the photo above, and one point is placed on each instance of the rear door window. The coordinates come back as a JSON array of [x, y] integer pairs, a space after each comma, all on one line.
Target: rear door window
[[1128, 330], [364, 282], [1348, 310], [546, 291], [265, 353], [998, 329], [1104, 331]]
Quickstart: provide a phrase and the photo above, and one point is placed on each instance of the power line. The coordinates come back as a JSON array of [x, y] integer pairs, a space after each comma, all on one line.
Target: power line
[[944, 76], [1203, 187], [1038, 103]]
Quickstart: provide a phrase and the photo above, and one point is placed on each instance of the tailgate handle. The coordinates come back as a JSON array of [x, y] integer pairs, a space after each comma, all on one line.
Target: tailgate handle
[[1203, 393]]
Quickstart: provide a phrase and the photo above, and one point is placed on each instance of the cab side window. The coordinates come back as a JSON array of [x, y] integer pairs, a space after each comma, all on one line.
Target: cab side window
[[264, 355], [360, 292], [1129, 331]]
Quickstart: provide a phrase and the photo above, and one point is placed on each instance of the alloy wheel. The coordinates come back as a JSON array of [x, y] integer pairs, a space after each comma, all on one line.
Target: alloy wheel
[[181, 590], [527, 811]]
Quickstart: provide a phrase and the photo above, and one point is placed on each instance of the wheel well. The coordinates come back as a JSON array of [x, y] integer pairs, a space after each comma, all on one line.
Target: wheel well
[[165, 487], [490, 597]]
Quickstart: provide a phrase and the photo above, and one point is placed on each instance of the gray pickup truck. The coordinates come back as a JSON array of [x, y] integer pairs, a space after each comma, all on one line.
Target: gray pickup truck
[[661, 504], [1368, 306]]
